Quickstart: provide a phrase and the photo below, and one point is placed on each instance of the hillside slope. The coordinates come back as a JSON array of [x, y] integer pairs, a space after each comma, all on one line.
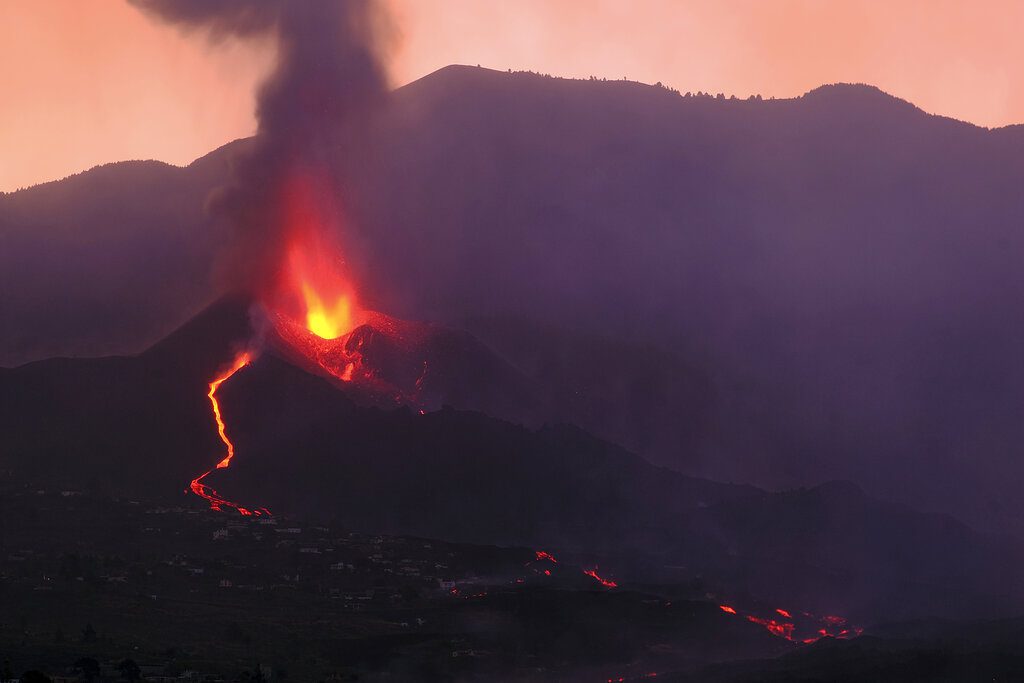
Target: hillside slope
[[834, 278]]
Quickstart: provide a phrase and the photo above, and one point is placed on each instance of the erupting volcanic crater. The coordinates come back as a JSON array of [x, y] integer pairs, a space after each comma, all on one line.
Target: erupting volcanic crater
[[307, 311], [310, 308], [381, 362], [388, 362], [384, 358]]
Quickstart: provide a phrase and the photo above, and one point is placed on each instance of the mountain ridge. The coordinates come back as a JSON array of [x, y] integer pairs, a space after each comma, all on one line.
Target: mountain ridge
[[456, 70], [834, 294]]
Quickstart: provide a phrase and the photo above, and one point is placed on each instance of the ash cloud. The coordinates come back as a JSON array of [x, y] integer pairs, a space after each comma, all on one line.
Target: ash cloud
[[330, 74]]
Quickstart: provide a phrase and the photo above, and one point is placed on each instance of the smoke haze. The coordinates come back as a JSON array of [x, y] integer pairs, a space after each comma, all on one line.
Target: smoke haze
[[329, 72]]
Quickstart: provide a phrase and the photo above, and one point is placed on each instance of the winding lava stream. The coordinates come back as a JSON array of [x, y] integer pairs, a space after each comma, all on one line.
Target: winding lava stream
[[217, 502]]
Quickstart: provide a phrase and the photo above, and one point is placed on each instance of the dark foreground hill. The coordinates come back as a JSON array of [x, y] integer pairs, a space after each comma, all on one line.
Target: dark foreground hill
[[963, 655], [142, 425], [198, 591]]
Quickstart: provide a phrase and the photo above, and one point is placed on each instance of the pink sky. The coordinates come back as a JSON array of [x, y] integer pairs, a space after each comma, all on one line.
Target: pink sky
[[85, 83]]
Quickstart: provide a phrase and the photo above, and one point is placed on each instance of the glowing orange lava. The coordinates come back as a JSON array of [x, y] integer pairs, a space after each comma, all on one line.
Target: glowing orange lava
[[607, 583], [778, 628], [312, 286], [311, 300], [241, 360], [826, 626], [542, 555], [329, 305], [217, 502]]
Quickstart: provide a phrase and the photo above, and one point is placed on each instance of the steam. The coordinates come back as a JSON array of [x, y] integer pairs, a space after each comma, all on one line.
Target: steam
[[330, 73]]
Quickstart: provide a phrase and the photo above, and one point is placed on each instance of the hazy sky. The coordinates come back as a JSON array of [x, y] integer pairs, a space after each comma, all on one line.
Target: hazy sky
[[84, 83]]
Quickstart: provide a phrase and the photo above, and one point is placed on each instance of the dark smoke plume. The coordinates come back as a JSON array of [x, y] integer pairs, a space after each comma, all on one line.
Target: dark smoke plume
[[329, 74]]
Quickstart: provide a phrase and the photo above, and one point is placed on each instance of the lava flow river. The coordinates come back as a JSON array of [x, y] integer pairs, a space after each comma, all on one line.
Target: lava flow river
[[218, 502]]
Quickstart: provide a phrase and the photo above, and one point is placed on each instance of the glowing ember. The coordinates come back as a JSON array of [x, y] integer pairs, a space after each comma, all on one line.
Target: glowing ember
[[783, 629], [592, 573], [312, 301], [200, 489], [607, 583], [827, 626]]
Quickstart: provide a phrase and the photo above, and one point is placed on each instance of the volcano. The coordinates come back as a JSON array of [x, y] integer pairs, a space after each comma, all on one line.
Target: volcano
[[298, 398], [383, 362], [295, 399], [862, 331]]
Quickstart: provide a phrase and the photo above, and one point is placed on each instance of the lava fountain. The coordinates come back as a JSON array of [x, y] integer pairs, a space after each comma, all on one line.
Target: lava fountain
[[312, 286], [311, 301]]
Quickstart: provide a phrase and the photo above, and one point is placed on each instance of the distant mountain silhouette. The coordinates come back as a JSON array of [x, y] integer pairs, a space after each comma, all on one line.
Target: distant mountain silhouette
[[834, 278], [106, 261]]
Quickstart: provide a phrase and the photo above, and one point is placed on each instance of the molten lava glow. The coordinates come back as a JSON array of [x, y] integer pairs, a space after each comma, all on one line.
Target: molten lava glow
[[311, 299], [592, 573], [312, 287], [325, 319], [217, 502], [826, 626], [607, 583], [778, 628], [792, 629]]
